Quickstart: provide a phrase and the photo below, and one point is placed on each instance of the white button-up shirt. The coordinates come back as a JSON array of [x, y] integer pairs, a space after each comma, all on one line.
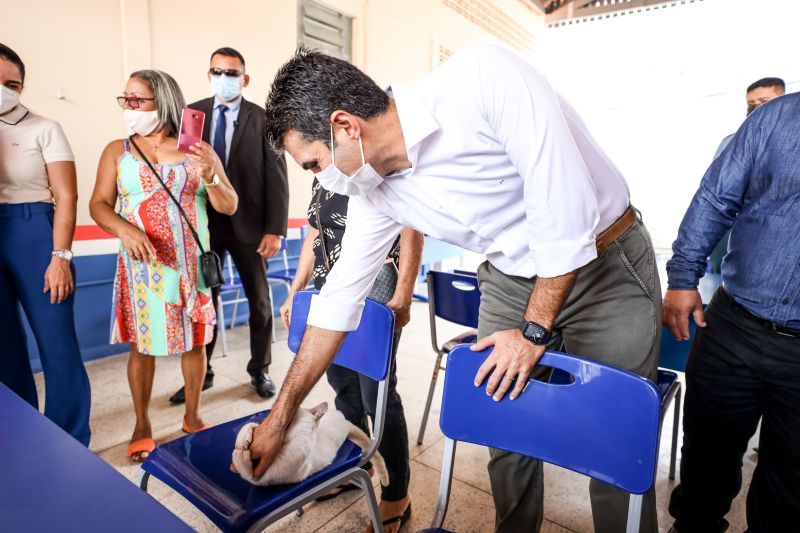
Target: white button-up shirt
[[501, 165]]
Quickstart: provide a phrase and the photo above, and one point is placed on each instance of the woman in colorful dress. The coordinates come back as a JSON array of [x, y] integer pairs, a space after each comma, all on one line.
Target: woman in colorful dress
[[161, 304]]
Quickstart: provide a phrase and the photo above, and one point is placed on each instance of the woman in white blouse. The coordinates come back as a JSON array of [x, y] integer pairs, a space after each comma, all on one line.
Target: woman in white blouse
[[38, 204]]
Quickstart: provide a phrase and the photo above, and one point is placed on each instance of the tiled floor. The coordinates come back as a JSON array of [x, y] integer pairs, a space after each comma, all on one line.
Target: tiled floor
[[567, 505]]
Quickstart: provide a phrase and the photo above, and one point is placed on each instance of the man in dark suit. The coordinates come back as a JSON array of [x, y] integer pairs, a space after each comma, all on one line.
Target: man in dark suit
[[236, 130]]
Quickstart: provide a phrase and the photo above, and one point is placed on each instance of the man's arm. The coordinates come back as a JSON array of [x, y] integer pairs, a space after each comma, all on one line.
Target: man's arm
[[711, 213], [315, 355], [411, 244], [334, 311], [515, 356]]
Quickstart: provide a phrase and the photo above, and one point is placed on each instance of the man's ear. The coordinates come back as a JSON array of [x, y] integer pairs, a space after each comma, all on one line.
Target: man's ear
[[319, 410], [346, 121], [246, 80]]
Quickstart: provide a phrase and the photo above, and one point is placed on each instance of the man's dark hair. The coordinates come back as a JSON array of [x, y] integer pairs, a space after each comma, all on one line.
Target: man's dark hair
[[227, 51], [10, 55], [311, 86], [765, 83]]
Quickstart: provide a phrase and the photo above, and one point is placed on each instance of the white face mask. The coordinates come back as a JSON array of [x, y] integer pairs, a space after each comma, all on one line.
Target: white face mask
[[364, 180], [140, 122], [8, 99]]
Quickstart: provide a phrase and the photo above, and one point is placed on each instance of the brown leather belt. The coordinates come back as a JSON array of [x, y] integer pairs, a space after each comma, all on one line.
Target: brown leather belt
[[615, 230]]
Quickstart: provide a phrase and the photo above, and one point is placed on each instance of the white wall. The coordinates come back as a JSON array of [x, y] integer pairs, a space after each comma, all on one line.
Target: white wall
[[660, 89]]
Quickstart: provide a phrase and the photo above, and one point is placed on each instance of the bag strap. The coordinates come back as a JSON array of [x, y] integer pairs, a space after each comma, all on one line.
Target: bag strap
[[164, 185]]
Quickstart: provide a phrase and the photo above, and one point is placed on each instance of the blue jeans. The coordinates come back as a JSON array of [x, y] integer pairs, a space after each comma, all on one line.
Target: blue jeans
[[26, 241]]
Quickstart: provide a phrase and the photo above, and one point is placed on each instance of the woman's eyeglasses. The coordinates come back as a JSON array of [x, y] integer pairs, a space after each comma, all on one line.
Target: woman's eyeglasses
[[132, 101], [231, 73]]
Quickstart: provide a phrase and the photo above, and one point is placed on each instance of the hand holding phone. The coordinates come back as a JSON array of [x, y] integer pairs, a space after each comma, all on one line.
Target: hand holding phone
[[191, 130]]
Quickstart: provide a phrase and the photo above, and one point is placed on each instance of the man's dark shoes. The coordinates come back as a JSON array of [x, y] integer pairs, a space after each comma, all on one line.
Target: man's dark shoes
[[263, 385], [180, 396]]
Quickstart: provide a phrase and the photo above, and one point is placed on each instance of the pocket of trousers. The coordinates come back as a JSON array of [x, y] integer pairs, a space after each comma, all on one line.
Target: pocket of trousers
[[629, 265]]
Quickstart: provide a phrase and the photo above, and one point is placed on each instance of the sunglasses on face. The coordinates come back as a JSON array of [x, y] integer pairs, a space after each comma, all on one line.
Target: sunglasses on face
[[231, 73], [132, 101]]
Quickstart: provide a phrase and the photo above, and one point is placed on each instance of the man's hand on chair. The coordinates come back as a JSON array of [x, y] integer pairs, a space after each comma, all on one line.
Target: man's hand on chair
[[269, 246], [512, 360]]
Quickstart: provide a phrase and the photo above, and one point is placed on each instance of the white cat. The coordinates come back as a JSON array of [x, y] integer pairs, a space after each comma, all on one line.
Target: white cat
[[310, 444]]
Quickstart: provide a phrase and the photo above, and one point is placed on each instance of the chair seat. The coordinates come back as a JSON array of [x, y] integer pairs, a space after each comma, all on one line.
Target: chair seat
[[283, 275], [198, 467], [665, 381], [468, 337], [235, 286]]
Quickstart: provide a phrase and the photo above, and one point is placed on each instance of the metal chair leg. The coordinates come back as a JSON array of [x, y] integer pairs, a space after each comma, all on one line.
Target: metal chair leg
[[235, 308], [675, 424], [271, 300], [221, 326], [143, 479], [634, 513], [431, 390], [365, 482]]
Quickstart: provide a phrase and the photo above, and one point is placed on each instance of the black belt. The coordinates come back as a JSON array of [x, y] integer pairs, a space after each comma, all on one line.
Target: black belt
[[780, 330]]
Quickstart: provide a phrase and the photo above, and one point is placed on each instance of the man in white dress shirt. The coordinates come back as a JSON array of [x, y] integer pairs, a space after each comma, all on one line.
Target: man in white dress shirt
[[484, 154]]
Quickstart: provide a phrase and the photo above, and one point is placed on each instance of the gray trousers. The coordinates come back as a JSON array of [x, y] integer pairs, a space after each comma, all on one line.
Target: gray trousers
[[613, 315]]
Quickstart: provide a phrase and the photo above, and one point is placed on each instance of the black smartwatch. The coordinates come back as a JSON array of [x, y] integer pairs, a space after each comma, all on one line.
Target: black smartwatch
[[535, 333]]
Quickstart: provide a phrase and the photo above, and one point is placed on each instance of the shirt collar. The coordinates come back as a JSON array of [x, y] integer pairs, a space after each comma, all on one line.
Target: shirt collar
[[14, 117], [232, 106], [416, 120]]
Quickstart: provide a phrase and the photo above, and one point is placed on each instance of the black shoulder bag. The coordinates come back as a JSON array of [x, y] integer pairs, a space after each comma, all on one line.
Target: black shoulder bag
[[210, 263]]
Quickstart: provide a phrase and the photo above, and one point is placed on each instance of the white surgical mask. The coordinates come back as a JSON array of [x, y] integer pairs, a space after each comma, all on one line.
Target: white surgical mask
[[364, 180], [8, 99], [226, 87], [140, 122]]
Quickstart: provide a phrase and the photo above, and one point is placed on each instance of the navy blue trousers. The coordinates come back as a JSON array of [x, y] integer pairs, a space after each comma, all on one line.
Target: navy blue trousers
[[26, 242]]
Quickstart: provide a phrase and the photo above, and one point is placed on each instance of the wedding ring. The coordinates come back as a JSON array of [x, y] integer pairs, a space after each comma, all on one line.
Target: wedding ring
[[508, 378]]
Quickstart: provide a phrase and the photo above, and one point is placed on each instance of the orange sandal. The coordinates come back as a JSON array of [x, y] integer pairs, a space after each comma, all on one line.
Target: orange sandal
[[140, 446], [187, 429]]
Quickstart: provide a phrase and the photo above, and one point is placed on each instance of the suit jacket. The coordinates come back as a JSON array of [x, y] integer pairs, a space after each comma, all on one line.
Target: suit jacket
[[256, 173]]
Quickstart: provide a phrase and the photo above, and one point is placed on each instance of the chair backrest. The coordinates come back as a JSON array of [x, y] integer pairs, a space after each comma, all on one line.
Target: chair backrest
[[367, 350], [675, 353], [604, 425], [454, 297]]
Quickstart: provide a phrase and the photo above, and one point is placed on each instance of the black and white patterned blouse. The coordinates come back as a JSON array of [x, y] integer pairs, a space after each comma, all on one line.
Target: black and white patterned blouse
[[333, 216]]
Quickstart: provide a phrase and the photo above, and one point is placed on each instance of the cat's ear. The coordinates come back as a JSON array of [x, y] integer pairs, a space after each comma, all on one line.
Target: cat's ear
[[319, 410]]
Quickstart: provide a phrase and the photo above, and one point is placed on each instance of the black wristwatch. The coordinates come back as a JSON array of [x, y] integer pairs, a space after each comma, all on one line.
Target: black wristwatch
[[535, 333]]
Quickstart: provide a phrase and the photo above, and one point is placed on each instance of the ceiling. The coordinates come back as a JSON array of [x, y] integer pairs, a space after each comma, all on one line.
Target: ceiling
[[560, 10]]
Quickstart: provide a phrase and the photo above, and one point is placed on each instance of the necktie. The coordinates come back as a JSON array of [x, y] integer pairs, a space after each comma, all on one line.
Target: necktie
[[219, 134]]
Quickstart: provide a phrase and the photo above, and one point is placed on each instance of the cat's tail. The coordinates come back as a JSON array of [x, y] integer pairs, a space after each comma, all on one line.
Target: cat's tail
[[362, 440]]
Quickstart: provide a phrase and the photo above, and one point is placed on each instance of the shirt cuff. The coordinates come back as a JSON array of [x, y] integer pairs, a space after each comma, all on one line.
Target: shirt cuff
[[563, 257], [681, 280], [335, 315]]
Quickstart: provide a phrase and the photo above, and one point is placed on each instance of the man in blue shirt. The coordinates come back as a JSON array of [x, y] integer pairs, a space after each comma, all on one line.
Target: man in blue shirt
[[744, 365]]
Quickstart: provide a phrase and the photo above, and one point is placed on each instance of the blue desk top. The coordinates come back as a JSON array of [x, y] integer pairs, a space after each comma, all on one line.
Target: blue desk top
[[49, 482]]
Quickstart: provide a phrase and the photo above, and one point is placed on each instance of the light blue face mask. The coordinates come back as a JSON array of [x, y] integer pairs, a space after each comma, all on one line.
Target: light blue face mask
[[226, 87]]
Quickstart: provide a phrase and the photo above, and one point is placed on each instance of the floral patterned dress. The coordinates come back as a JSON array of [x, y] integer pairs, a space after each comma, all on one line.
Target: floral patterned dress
[[163, 306]]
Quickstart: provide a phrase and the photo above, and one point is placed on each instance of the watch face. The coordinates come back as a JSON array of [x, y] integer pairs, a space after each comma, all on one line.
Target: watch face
[[535, 333]]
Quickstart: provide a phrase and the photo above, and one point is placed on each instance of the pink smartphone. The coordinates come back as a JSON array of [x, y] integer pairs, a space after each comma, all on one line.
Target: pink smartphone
[[191, 132]]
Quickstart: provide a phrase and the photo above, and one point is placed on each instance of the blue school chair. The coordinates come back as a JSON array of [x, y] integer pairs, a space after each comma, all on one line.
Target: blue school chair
[[674, 354], [454, 297], [197, 465], [604, 425]]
